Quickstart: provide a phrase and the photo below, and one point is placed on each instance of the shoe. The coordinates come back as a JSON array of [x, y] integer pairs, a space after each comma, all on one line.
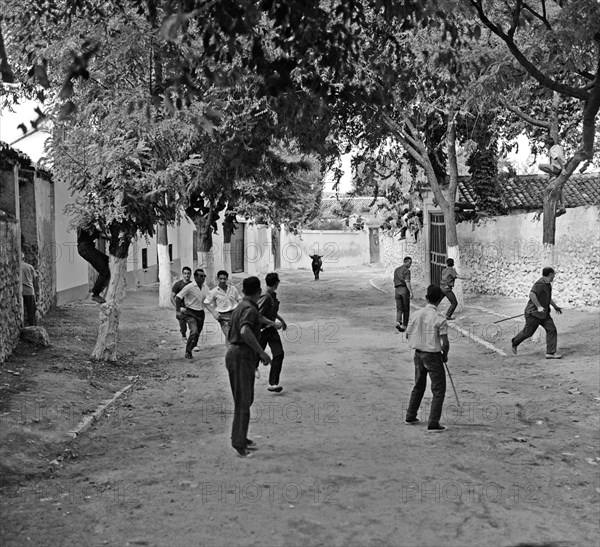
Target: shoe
[[98, 298], [412, 421], [183, 337], [449, 318], [514, 349], [196, 348], [250, 445], [560, 212], [275, 389], [436, 428], [188, 355], [242, 452], [400, 327], [553, 356]]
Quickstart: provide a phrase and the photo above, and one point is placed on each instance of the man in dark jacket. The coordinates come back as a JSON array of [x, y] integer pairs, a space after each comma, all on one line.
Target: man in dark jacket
[[86, 247], [537, 312]]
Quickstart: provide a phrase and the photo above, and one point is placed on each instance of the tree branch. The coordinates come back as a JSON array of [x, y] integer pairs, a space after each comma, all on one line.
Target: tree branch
[[524, 116], [533, 71], [541, 17]]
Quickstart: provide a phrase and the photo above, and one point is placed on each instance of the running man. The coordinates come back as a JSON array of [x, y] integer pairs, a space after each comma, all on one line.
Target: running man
[[449, 276], [194, 295], [222, 300], [537, 312], [186, 274], [268, 307]]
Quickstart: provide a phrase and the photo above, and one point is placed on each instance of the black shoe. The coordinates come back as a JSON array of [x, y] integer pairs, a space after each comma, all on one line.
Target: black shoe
[[188, 355], [449, 318], [275, 389], [250, 444], [436, 428], [400, 327], [242, 452], [412, 421], [98, 298], [514, 349]]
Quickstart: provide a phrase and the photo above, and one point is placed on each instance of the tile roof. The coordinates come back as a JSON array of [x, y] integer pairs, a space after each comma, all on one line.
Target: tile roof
[[527, 191]]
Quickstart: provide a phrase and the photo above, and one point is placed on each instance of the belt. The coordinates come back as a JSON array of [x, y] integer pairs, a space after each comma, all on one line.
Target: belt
[[403, 286], [432, 352]]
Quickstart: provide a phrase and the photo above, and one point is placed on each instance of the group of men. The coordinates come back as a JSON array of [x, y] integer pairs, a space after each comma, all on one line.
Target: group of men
[[249, 324], [427, 332]]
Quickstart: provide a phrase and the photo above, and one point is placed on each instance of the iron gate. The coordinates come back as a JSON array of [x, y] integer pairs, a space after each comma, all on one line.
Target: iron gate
[[437, 246]]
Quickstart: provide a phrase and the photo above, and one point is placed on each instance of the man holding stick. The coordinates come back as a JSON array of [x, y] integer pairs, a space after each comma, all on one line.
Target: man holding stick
[[537, 312], [427, 334]]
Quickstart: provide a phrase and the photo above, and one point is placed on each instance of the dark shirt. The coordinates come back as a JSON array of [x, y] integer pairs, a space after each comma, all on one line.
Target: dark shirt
[[316, 261], [246, 313], [179, 285], [268, 305], [543, 290], [87, 236], [449, 275], [401, 276]]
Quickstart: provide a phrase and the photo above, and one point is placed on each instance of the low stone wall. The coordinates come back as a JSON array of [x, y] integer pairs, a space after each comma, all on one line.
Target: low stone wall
[[503, 255], [10, 288]]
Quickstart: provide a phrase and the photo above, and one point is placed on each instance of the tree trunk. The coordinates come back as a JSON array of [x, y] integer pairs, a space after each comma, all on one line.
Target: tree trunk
[[227, 257], [164, 267], [110, 312]]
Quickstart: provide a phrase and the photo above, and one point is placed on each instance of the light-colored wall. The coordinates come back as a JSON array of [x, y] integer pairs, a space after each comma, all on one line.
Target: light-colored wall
[[339, 249], [11, 309], [71, 269], [394, 250], [503, 255], [44, 206]]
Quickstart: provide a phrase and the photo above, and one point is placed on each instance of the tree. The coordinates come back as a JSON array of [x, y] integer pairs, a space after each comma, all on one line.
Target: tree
[[558, 46]]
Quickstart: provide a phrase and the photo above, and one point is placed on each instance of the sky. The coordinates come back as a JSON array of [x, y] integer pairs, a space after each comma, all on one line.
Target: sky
[[32, 145]]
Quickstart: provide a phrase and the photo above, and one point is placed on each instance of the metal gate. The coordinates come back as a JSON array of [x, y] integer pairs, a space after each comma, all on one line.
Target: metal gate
[[374, 244], [237, 249], [437, 246]]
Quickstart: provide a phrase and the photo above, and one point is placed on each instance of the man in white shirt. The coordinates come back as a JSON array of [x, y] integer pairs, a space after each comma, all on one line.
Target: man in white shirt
[[194, 295], [556, 155], [427, 334], [29, 279], [222, 300]]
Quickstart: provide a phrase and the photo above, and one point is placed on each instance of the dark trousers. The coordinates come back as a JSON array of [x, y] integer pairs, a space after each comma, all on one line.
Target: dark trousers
[[402, 305], [99, 262], [449, 294], [271, 336], [30, 308], [241, 365], [432, 364], [531, 324], [316, 270], [195, 322], [182, 325]]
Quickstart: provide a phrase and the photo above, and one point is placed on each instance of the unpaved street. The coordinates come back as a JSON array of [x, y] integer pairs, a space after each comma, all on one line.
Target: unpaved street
[[335, 463]]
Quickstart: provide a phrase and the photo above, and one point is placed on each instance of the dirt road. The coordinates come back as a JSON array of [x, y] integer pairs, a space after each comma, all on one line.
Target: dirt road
[[335, 464]]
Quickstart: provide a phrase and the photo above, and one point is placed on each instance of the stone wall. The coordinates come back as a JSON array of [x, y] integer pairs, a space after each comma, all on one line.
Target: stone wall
[[394, 251], [503, 255], [10, 288]]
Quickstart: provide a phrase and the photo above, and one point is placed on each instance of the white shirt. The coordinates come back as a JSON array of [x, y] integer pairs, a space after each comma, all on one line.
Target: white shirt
[[425, 328], [224, 301], [557, 156], [193, 295]]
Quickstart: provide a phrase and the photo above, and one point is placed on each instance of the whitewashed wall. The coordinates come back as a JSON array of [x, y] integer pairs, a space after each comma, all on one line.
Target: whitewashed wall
[[339, 249], [503, 255]]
